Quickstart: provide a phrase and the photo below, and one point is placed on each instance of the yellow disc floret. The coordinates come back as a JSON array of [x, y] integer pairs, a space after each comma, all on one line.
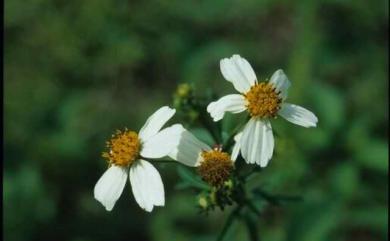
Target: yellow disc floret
[[215, 168], [263, 100], [124, 148]]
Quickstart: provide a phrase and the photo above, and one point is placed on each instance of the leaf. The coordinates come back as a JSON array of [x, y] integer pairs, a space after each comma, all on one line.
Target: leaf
[[314, 221], [190, 178], [184, 185], [375, 217], [202, 135], [344, 179], [374, 156], [330, 106]]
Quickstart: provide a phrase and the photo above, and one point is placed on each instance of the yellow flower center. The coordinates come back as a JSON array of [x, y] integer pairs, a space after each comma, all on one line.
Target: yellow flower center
[[124, 148], [216, 167], [263, 100]]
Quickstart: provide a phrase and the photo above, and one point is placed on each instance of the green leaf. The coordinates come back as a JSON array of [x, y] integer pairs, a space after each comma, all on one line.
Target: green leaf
[[374, 217], [314, 221], [374, 155], [184, 185], [345, 179], [330, 106], [191, 178]]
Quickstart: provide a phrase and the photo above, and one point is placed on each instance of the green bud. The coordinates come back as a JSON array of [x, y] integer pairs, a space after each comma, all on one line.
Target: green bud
[[176, 102], [203, 202], [193, 115], [183, 90], [229, 184], [213, 197]]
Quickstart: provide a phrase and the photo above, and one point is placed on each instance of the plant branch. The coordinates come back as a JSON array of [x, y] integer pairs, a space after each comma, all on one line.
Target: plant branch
[[232, 216], [250, 222], [250, 174], [252, 207], [276, 199]]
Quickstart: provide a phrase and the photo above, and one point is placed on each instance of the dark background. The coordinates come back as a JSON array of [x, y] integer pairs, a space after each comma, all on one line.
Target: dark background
[[75, 71]]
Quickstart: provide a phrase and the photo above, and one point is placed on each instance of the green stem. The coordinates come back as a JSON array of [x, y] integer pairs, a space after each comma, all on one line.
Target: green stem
[[165, 162], [232, 216], [276, 199], [251, 222], [248, 176], [252, 207]]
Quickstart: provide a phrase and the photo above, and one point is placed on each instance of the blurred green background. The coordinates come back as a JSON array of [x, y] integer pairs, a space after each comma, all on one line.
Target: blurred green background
[[75, 71]]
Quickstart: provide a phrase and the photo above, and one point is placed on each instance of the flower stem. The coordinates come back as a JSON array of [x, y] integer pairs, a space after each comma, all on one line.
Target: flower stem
[[248, 176], [276, 199], [232, 216], [250, 222], [165, 161], [252, 207]]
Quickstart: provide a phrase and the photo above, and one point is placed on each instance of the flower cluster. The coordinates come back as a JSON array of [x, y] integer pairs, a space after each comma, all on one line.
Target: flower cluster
[[129, 153]]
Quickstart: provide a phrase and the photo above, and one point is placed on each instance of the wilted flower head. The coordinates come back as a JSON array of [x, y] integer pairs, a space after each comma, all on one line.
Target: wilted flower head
[[213, 165]]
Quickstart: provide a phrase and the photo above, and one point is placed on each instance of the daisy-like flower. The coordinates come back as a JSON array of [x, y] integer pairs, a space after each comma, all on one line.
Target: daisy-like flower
[[126, 154], [263, 101], [213, 165]]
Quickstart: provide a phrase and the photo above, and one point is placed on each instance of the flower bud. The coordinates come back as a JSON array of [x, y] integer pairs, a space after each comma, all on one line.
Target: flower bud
[[202, 201], [229, 184], [183, 90]]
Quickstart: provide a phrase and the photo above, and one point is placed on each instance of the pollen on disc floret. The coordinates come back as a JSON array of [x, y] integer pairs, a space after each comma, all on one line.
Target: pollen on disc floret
[[216, 167], [124, 148], [263, 100]]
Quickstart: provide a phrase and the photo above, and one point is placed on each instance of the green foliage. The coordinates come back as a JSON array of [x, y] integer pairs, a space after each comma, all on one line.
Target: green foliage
[[190, 179], [75, 71]]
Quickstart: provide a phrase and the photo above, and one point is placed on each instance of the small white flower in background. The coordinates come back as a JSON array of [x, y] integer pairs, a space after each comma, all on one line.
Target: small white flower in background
[[126, 152], [213, 165], [263, 101]]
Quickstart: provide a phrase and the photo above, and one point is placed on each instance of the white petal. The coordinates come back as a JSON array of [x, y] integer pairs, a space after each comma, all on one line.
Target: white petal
[[237, 146], [268, 143], [239, 72], [298, 115], [257, 142], [230, 103], [189, 149], [155, 122], [110, 186], [147, 186], [162, 143], [281, 83]]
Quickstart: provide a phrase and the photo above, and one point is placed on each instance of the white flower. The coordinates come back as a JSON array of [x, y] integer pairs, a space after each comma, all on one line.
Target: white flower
[[213, 165], [126, 152], [263, 101]]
